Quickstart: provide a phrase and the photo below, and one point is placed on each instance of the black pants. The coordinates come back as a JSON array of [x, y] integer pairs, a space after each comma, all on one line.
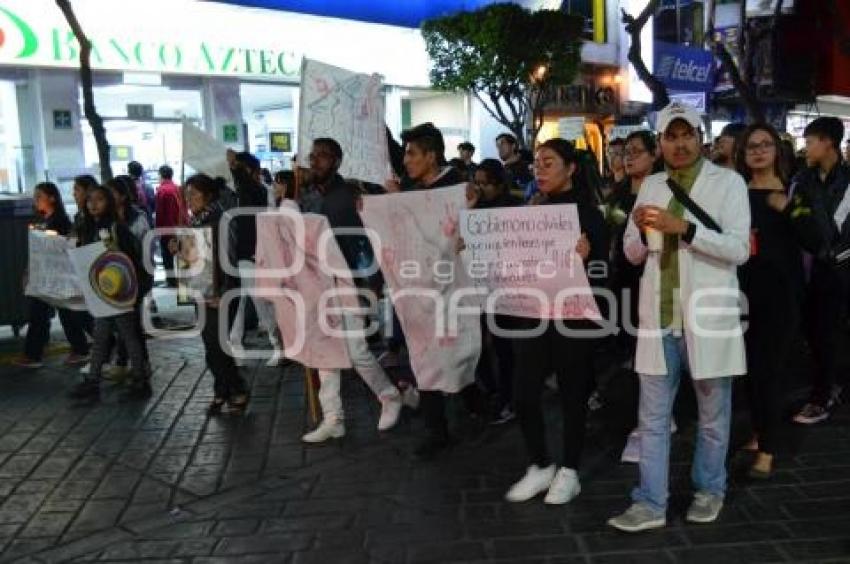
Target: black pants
[[825, 313], [75, 324], [167, 260], [771, 328], [497, 378], [227, 380], [571, 359], [433, 408], [121, 355]]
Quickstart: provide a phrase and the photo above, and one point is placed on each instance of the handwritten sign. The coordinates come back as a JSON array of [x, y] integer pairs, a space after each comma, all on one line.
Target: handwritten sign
[[82, 259], [349, 108], [51, 275], [525, 260], [416, 248]]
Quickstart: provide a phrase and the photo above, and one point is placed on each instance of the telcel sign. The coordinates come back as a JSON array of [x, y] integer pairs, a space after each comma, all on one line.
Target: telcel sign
[[682, 68], [36, 42]]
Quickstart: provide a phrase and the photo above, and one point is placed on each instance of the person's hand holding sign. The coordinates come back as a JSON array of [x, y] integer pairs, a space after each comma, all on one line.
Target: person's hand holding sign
[[583, 247]]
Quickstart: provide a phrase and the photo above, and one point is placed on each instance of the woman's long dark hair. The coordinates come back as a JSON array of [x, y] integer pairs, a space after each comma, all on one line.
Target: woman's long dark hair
[[120, 185], [586, 179], [51, 190], [780, 166], [90, 224]]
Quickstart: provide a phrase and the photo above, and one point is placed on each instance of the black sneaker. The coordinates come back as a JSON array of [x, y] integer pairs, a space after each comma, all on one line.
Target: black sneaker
[[137, 391], [431, 446], [86, 390]]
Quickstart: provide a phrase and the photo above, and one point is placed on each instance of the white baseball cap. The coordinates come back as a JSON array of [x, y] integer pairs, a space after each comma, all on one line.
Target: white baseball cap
[[678, 110]]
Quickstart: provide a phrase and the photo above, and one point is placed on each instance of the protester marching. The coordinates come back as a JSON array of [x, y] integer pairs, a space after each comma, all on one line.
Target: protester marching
[[500, 279]]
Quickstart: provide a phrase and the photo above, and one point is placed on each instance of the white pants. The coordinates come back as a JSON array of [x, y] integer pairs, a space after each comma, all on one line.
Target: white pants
[[366, 366], [265, 310]]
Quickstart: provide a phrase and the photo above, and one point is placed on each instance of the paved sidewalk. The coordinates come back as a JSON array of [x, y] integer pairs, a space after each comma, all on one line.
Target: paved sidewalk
[[158, 481]]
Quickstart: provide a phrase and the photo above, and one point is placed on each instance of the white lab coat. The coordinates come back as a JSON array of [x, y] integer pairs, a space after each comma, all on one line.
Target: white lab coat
[[709, 293]]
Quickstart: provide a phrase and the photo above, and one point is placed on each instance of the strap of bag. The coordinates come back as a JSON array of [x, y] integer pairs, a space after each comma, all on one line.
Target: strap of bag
[[699, 213]]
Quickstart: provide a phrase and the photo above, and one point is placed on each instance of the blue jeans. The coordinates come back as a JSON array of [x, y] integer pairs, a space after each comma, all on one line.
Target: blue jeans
[[657, 396]]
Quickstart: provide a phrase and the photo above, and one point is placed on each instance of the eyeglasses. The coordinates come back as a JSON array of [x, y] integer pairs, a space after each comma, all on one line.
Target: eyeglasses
[[763, 146]]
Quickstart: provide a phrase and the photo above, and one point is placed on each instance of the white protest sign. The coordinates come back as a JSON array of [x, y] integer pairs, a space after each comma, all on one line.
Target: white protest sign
[[571, 128], [527, 257], [82, 259], [204, 153], [349, 108], [51, 275], [429, 288]]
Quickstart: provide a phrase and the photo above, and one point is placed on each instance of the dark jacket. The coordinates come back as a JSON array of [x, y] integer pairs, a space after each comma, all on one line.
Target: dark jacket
[[450, 177], [504, 200], [211, 217], [250, 194], [773, 276], [813, 205]]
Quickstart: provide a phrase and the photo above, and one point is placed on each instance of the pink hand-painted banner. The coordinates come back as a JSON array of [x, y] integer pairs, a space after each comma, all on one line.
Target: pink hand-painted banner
[[414, 235], [291, 242], [525, 261]]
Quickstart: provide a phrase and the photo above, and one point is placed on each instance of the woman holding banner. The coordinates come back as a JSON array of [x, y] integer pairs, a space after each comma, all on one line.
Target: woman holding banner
[[569, 354], [54, 219]]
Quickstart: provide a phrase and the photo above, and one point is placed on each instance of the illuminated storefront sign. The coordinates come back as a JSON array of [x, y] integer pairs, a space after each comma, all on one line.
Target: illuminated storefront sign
[[201, 38]]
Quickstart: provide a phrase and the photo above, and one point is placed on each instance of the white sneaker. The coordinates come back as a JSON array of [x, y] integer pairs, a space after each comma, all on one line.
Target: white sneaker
[[390, 411], [536, 481], [325, 431], [565, 487], [103, 369], [410, 397], [86, 369]]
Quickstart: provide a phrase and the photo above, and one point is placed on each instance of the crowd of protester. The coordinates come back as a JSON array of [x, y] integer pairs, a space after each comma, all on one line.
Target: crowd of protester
[[672, 216]]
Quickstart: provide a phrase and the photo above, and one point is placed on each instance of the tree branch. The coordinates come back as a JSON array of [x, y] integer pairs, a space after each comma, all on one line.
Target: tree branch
[[660, 97], [747, 92], [94, 119]]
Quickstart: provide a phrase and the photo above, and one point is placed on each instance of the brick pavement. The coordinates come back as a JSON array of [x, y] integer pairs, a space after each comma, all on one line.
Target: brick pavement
[[159, 482]]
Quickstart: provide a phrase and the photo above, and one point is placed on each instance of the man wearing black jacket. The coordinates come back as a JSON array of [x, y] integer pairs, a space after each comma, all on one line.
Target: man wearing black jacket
[[820, 212]]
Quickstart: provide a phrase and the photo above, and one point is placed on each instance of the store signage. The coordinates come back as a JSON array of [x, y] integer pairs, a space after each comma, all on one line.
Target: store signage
[[694, 99], [684, 68], [140, 111], [571, 128], [280, 142], [56, 45], [202, 38], [230, 133], [62, 119], [120, 153]]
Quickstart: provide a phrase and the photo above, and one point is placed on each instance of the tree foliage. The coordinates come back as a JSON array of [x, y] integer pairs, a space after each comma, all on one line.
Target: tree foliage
[[498, 52]]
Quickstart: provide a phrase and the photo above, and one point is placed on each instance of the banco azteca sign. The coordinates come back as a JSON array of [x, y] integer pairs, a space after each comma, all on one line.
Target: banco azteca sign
[[41, 38]]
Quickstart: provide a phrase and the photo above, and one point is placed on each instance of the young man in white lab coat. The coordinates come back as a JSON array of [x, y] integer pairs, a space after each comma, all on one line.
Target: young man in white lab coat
[[689, 312]]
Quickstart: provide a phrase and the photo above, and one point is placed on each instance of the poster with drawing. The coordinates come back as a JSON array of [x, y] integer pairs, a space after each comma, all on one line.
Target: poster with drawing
[[107, 279], [525, 261], [194, 266], [347, 107], [50, 274], [415, 236]]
